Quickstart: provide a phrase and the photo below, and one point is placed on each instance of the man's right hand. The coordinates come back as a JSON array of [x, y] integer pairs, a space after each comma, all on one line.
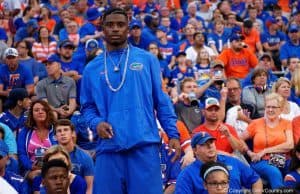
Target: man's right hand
[[105, 130]]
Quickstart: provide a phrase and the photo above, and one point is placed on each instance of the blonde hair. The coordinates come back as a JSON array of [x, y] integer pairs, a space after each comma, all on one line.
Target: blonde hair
[[296, 80], [57, 149], [277, 97], [279, 82]]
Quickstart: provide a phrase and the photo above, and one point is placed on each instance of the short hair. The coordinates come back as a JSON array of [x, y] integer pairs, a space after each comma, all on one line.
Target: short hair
[[185, 80], [52, 163], [64, 122], [257, 72], [234, 79], [248, 24], [114, 11], [57, 149], [210, 167], [279, 82], [197, 33], [277, 97]]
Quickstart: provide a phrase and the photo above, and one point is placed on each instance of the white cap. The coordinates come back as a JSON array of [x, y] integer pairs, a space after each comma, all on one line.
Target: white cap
[[11, 52], [209, 102]]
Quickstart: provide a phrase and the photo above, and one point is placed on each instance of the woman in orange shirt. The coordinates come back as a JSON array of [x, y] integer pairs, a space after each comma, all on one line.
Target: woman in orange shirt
[[271, 135], [46, 19]]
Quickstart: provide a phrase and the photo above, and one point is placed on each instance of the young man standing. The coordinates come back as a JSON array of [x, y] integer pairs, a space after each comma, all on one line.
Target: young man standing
[[82, 163], [119, 99]]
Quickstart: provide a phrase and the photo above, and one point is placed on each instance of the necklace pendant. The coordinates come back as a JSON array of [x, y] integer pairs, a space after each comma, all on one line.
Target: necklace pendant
[[116, 69]]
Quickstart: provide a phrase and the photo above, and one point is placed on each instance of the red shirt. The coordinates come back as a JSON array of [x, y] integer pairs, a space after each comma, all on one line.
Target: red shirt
[[221, 142]]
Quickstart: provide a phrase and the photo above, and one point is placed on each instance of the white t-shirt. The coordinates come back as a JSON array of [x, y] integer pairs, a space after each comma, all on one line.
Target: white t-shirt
[[11, 4], [294, 111], [6, 188], [231, 119], [191, 53]]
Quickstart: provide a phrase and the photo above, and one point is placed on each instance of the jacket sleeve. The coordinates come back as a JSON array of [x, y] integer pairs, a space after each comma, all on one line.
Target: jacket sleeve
[[88, 106], [162, 104], [9, 139], [22, 151]]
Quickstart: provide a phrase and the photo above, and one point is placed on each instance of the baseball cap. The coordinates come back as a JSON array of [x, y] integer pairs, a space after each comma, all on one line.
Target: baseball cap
[[15, 95], [11, 52], [209, 102], [216, 63], [265, 55], [91, 44], [135, 24], [270, 21], [66, 43], [293, 28], [163, 29], [52, 58], [181, 53], [3, 148], [236, 37], [201, 138], [92, 14], [32, 23]]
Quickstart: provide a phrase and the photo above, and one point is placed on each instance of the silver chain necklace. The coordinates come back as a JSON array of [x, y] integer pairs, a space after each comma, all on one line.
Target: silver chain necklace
[[116, 66], [124, 71]]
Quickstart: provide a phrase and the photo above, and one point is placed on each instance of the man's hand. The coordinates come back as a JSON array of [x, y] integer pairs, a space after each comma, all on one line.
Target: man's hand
[[175, 145], [105, 130], [224, 130]]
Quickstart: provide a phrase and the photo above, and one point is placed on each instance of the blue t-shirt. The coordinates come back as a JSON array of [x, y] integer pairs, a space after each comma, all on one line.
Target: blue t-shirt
[[292, 179], [266, 37], [288, 50], [219, 40], [20, 78], [168, 50], [177, 74], [82, 163], [73, 65], [240, 176], [17, 182], [14, 123]]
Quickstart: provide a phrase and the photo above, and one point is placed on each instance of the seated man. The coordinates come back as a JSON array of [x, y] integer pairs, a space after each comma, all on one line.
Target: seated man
[[240, 175], [58, 90], [226, 136]]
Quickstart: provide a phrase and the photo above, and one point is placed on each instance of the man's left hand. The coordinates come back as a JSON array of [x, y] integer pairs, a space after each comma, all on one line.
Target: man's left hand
[[174, 144]]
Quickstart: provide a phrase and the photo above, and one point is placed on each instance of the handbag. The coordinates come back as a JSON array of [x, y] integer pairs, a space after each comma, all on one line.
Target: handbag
[[277, 159]]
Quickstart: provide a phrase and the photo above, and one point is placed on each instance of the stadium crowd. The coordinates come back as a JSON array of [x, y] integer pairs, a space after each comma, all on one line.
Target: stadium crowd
[[230, 68]]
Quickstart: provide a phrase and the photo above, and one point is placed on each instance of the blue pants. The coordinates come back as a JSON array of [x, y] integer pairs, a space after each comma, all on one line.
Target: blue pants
[[268, 172], [129, 172]]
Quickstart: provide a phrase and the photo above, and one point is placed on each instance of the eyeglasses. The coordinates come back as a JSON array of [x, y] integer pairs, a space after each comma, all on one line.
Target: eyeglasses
[[272, 107], [216, 184]]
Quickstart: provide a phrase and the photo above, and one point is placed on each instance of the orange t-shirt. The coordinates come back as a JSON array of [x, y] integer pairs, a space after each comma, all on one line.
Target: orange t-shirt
[[185, 138], [296, 129], [222, 142], [284, 4], [264, 136], [49, 25], [238, 64], [252, 39]]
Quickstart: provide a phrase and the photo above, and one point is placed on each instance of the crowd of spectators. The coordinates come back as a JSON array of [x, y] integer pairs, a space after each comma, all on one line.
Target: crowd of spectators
[[230, 67]]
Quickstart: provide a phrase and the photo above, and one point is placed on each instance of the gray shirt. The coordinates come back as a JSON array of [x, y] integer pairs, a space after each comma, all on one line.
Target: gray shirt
[[57, 92]]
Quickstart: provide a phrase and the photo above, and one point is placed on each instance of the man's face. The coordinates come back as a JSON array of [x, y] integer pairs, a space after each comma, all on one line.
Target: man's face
[[165, 22], [247, 31], [266, 63], [294, 36], [237, 45], [56, 180], [234, 91], [136, 31], [206, 152], [115, 29], [53, 68], [189, 29], [26, 103], [12, 62], [189, 87], [3, 161], [211, 114], [64, 134], [294, 62], [199, 39], [66, 52]]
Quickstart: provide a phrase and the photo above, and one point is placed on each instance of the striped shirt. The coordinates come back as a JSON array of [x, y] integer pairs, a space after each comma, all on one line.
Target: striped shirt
[[41, 52]]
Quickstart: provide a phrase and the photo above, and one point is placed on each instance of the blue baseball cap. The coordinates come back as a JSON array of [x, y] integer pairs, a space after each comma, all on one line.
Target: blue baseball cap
[[163, 29], [201, 138], [32, 23], [92, 14], [52, 58], [135, 24], [91, 44], [293, 28], [236, 37], [3, 148], [66, 43]]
